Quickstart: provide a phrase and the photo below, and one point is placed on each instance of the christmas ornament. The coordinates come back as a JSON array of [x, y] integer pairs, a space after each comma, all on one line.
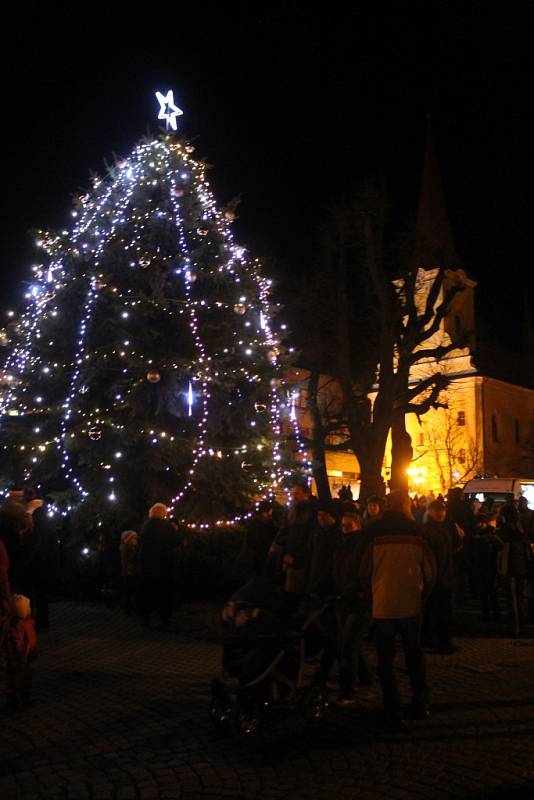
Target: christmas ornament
[[240, 308], [95, 434], [178, 192], [4, 340], [144, 262], [168, 111], [202, 231], [153, 376], [229, 215], [272, 355], [260, 407], [100, 284], [190, 148]]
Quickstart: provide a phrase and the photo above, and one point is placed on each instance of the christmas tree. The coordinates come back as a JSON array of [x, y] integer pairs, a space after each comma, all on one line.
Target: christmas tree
[[145, 366]]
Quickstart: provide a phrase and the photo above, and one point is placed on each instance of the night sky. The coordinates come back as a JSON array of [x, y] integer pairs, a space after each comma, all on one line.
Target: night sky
[[291, 108]]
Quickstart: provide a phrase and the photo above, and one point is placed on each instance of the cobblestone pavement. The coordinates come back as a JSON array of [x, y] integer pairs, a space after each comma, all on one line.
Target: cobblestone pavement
[[120, 712]]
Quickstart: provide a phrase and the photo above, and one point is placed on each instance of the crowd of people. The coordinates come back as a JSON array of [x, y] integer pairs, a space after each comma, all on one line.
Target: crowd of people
[[396, 566]]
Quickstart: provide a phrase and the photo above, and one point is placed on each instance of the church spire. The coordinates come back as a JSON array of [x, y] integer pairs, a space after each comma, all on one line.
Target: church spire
[[434, 239]]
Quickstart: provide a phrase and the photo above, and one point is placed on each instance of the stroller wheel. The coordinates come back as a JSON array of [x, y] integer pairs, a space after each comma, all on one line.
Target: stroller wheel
[[220, 711], [248, 723], [248, 717], [314, 704]]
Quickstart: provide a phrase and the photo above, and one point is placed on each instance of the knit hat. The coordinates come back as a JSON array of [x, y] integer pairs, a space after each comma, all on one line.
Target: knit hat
[[129, 537], [33, 505], [20, 606], [158, 511], [332, 507]]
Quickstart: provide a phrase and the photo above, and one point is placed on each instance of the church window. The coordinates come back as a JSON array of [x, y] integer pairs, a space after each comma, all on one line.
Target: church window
[[460, 420], [494, 428]]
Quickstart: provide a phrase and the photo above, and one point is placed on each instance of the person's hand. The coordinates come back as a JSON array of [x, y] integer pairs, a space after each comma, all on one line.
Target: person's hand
[[287, 561]]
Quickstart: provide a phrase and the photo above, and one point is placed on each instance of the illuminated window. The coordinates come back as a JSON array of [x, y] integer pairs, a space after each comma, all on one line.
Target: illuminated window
[[421, 439], [461, 456], [460, 420], [494, 428]]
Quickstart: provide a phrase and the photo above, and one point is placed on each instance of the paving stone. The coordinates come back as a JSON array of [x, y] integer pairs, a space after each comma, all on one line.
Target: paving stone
[[120, 713]]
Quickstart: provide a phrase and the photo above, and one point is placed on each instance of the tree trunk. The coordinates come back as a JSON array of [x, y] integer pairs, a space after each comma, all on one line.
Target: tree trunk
[[371, 464], [320, 474], [401, 455]]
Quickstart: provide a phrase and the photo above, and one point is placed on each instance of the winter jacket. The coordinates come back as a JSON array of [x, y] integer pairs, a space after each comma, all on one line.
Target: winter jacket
[[398, 565], [157, 543], [295, 539], [258, 539], [319, 575], [444, 541], [294, 536], [128, 551], [518, 556], [349, 551]]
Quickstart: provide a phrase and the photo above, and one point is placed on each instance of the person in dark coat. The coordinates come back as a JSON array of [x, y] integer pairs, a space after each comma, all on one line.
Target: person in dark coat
[[128, 551], [526, 518], [253, 558], [42, 559], [461, 513], [293, 543], [444, 541], [155, 564], [514, 564], [15, 529], [323, 541], [353, 610], [486, 547]]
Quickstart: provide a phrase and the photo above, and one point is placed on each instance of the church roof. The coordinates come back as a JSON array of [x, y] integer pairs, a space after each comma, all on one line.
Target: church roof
[[434, 239]]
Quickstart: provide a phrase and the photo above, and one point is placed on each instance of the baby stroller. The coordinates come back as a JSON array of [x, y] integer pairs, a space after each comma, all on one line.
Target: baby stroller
[[265, 652]]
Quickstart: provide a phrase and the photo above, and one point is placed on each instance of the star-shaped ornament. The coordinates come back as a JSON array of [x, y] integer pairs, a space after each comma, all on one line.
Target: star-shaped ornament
[[168, 111]]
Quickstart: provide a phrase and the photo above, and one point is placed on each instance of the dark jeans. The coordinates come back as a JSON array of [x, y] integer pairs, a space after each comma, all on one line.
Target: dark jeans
[[155, 593], [351, 628], [438, 618], [386, 631]]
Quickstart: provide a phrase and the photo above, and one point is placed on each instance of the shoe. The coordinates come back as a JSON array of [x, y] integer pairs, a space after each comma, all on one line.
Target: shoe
[[417, 711]]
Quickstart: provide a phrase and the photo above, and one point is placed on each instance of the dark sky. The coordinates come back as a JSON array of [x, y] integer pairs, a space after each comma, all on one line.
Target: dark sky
[[291, 107]]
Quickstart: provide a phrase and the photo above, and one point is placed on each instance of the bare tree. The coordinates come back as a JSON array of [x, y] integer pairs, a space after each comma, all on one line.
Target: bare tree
[[384, 316], [453, 452]]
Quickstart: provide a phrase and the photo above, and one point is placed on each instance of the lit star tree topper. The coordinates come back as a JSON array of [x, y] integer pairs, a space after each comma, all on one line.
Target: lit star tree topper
[[168, 110]]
